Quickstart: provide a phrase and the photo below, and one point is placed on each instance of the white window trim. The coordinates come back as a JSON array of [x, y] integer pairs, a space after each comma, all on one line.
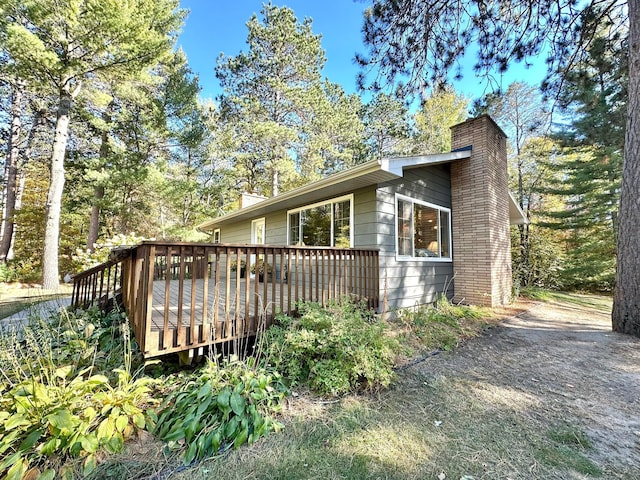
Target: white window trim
[[216, 232], [407, 258], [326, 202], [264, 231]]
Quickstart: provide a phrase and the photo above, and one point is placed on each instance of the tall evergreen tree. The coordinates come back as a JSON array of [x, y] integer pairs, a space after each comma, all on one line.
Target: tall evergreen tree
[[590, 171], [281, 111], [387, 126], [60, 47]]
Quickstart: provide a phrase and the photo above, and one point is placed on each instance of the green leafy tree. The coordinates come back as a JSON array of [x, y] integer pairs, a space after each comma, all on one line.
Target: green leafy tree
[[438, 112], [411, 43], [60, 47]]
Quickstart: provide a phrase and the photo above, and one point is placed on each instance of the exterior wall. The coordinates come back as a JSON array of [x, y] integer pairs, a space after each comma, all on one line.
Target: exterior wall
[[240, 232], [276, 224], [407, 283], [480, 214]]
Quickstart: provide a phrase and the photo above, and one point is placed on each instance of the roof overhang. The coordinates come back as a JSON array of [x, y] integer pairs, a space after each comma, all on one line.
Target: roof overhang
[[371, 173], [361, 176], [516, 215]]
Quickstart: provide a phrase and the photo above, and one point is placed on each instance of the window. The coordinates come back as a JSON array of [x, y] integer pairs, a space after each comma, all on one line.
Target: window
[[216, 235], [258, 231], [326, 224], [423, 230]]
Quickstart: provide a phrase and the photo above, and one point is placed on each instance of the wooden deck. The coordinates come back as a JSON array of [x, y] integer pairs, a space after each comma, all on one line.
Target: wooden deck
[[185, 296]]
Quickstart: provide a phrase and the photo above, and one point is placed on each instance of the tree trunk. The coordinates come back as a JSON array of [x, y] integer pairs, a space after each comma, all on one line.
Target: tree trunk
[[98, 191], [50, 275], [626, 299], [11, 173], [94, 221]]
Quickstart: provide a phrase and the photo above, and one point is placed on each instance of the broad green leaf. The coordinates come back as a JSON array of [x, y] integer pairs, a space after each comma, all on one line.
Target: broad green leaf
[[223, 398], [66, 472], [17, 470], [64, 372], [10, 460], [121, 422], [48, 474], [50, 446], [15, 421], [8, 440], [190, 454], [232, 427], [241, 438], [105, 430], [30, 440], [138, 420], [216, 440], [204, 390], [89, 443], [90, 413], [61, 419], [90, 464], [237, 403]]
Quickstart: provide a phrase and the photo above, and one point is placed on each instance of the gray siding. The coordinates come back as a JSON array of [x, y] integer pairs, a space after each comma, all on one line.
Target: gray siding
[[411, 282], [405, 283]]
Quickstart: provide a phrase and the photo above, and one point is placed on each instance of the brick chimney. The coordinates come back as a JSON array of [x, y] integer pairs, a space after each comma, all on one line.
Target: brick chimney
[[480, 214]]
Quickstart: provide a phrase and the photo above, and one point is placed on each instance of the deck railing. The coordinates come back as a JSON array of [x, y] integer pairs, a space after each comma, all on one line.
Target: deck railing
[[181, 296]]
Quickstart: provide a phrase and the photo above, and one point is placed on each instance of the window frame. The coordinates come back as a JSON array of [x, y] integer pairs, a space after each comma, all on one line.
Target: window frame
[[330, 202], [439, 209], [216, 233]]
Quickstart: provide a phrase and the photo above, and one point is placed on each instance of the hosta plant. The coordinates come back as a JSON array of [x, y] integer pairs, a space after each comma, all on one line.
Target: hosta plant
[[223, 406]]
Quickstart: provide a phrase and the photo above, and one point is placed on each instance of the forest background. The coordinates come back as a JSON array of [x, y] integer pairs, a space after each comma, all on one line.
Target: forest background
[[106, 141]]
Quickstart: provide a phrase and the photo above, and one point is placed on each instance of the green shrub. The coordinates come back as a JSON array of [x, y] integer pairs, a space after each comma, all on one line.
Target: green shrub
[[333, 350], [67, 392], [20, 271], [443, 325], [221, 406], [70, 414]]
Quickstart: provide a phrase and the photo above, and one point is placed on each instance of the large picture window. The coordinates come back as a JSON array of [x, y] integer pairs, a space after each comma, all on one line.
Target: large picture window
[[326, 224], [423, 230]]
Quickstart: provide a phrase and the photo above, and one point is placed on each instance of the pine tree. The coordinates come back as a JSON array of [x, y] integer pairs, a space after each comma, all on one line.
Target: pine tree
[[61, 47]]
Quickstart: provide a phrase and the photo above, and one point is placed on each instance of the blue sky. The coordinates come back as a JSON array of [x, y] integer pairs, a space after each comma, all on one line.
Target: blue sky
[[215, 26]]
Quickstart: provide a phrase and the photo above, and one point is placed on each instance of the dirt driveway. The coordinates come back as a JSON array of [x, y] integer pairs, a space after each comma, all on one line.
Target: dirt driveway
[[565, 357]]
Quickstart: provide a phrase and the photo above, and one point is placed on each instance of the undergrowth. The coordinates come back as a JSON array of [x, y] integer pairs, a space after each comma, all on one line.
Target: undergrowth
[[221, 406], [333, 350], [67, 392], [443, 325]]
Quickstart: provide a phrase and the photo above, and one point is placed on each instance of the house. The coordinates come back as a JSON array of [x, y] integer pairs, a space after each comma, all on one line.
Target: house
[[440, 222]]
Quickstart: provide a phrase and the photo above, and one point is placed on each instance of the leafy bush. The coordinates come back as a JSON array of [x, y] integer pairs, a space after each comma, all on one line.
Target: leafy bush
[[69, 415], [84, 259], [221, 406], [67, 392], [334, 350], [443, 325], [20, 271]]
